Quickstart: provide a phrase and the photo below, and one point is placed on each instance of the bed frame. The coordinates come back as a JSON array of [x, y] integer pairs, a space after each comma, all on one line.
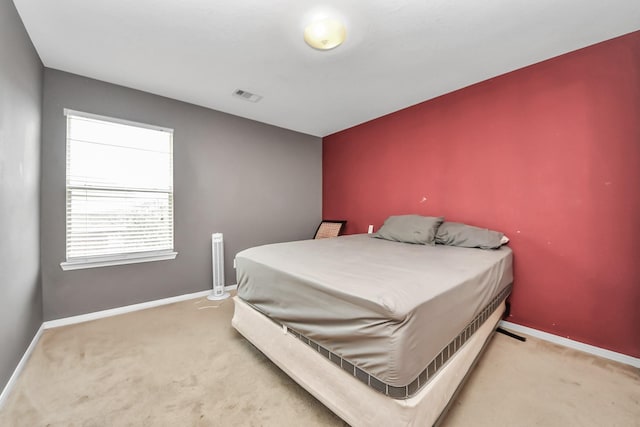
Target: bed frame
[[346, 396]]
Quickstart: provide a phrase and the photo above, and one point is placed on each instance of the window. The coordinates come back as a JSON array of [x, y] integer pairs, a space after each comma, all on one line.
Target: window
[[119, 192]]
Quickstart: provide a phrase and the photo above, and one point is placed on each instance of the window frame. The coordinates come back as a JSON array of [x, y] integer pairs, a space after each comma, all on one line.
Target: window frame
[[78, 263]]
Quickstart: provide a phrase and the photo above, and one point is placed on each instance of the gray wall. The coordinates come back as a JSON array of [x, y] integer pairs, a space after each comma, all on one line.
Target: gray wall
[[253, 182], [20, 104]]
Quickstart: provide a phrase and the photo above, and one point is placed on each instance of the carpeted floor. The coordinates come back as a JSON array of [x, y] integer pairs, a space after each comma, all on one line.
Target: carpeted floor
[[184, 365]]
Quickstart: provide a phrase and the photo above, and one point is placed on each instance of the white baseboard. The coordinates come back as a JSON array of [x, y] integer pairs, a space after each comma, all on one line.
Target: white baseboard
[[127, 309], [16, 373], [576, 345]]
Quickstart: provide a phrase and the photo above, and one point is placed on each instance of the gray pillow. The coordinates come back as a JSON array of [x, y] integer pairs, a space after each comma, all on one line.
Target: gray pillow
[[468, 236], [410, 229]]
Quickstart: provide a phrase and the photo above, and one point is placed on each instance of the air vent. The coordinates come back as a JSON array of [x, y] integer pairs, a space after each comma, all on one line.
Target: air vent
[[247, 96]]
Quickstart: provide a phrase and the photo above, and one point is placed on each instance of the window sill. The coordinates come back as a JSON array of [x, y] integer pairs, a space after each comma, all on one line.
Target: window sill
[[80, 264]]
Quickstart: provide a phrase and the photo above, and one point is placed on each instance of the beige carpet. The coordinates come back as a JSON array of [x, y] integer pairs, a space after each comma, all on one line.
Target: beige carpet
[[183, 365]]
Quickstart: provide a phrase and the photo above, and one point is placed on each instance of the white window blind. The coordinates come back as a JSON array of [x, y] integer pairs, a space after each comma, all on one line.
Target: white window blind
[[119, 190]]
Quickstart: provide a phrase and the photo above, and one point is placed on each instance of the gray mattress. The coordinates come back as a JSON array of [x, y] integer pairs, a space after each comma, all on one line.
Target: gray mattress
[[388, 308]]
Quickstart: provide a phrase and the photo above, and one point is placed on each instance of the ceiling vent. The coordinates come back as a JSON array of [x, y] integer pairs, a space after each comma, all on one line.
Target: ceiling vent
[[247, 96]]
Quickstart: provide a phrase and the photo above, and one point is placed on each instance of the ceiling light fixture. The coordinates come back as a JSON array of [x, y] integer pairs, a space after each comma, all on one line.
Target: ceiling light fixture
[[325, 34]]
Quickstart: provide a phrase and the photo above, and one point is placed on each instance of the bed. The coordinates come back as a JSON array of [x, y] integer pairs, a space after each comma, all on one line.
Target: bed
[[379, 331]]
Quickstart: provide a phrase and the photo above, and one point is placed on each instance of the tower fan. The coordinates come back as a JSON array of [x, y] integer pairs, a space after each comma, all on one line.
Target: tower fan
[[217, 261]]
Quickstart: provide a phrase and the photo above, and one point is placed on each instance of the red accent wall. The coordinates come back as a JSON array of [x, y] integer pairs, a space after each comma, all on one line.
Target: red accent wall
[[550, 155]]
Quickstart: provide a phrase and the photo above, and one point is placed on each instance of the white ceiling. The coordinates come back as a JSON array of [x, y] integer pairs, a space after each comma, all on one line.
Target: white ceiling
[[397, 53]]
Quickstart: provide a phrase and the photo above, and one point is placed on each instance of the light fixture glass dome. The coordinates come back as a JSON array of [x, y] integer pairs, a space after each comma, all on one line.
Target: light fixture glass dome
[[325, 34]]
